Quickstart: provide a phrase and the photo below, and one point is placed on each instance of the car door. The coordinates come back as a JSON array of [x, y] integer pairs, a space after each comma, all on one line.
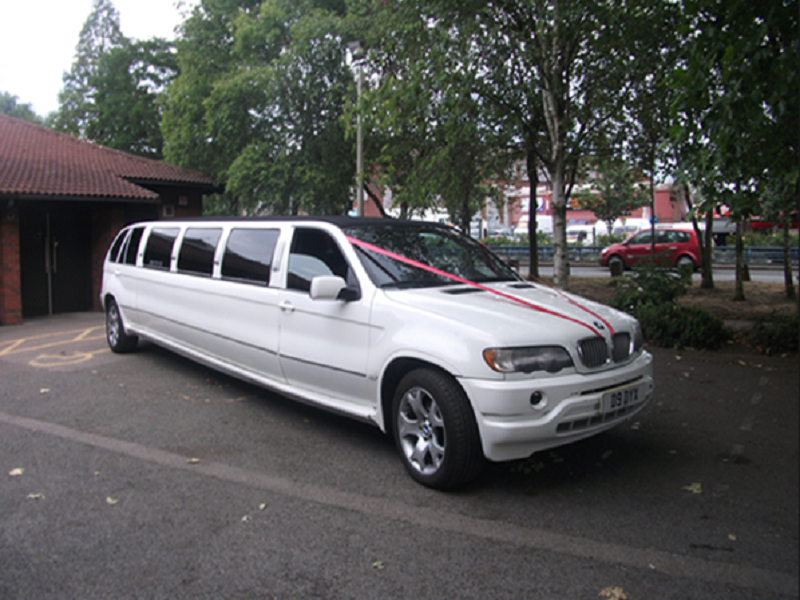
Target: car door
[[667, 245], [324, 344], [638, 248]]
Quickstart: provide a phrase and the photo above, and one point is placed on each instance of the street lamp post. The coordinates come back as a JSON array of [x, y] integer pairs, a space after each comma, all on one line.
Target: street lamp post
[[357, 53], [359, 149]]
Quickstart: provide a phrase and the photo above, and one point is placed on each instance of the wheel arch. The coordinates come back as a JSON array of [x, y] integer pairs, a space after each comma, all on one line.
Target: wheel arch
[[687, 256], [394, 372], [617, 256]]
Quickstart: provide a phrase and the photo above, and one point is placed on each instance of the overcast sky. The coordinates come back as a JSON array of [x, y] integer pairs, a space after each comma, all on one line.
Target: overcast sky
[[38, 40]]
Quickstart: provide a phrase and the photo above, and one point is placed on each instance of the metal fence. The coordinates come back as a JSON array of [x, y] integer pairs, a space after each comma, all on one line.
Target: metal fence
[[771, 255]]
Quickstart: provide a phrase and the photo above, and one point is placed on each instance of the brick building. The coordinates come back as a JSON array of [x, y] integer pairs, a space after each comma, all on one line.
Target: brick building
[[62, 201]]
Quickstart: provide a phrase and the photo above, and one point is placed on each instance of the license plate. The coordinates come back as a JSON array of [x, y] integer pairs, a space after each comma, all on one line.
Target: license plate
[[623, 397]]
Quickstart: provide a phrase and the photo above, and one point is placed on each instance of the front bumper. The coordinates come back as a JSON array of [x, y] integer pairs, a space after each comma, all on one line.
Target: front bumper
[[512, 426]]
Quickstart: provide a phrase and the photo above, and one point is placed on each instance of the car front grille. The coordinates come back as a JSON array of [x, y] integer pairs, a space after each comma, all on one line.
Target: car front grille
[[594, 351], [622, 346]]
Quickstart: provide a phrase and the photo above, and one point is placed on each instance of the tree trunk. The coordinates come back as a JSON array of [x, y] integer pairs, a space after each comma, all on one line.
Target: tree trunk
[[652, 218], [739, 294], [533, 241], [707, 278], [560, 250], [787, 257], [707, 252]]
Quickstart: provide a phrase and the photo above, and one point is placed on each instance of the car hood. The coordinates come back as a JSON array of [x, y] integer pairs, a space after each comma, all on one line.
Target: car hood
[[518, 313]]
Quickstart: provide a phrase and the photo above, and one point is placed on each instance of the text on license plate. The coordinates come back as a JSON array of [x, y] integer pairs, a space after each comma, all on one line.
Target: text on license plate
[[623, 397]]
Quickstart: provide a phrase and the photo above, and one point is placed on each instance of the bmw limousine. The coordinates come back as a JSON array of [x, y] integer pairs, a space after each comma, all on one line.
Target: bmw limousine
[[408, 325]]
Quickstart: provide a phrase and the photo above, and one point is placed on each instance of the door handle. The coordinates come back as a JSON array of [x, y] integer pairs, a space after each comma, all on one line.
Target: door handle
[[286, 306]]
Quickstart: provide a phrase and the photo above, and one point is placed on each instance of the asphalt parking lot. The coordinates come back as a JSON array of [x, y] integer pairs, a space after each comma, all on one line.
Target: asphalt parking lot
[[148, 476]]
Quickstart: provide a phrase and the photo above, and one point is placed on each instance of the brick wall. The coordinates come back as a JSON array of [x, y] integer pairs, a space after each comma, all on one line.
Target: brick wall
[[105, 226], [10, 290]]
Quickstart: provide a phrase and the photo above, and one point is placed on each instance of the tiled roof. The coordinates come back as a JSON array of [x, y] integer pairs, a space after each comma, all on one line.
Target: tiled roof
[[39, 162]]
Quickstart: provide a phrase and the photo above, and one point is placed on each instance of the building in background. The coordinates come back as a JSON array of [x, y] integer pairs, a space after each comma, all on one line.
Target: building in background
[[62, 201]]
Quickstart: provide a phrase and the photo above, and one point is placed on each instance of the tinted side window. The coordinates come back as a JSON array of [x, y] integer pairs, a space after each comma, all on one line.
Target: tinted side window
[[197, 251], [158, 252], [113, 253], [313, 253], [642, 238], [133, 245], [248, 255], [681, 237]]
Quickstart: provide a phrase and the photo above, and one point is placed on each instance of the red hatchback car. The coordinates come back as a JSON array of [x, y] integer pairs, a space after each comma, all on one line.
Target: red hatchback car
[[676, 245]]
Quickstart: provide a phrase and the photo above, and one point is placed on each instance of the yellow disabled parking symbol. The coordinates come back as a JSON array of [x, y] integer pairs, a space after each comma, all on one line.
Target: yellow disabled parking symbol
[[63, 359], [57, 349]]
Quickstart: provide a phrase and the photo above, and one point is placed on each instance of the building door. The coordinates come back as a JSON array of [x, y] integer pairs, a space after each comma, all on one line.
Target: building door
[[55, 260]]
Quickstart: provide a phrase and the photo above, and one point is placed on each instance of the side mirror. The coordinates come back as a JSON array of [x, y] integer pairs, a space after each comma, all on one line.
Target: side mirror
[[331, 287]]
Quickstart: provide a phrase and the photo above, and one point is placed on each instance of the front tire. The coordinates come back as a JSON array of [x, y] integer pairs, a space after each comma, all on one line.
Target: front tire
[[616, 265], [435, 431], [117, 339]]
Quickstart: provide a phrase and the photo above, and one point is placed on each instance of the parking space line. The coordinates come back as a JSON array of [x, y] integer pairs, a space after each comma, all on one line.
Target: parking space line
[[19, 346]]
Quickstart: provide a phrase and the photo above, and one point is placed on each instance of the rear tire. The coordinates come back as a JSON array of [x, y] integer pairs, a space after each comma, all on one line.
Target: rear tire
[[685, 264], [117, 339], [435, 431]]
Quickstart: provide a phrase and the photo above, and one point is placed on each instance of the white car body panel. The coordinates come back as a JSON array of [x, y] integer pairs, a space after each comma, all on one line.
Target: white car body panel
[[336, 353]]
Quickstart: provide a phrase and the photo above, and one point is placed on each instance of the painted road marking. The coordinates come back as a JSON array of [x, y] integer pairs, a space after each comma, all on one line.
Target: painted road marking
[[60, 340]]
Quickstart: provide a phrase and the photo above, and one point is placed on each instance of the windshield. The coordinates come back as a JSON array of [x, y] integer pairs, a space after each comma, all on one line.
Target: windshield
[[436, 246]]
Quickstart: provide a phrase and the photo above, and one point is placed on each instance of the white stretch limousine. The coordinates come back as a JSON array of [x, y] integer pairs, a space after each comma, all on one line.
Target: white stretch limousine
[[406, 324]]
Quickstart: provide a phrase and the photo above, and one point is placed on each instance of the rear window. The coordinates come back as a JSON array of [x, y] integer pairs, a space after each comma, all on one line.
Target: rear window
[[132, 247], [158, 252], [248, 255], [113, 253], [196, 256]]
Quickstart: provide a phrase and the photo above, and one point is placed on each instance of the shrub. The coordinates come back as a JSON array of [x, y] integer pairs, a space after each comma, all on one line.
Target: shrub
[[608, 239], [671, 325], [648, 285], [650, 295], [778, 335], [761, 239]]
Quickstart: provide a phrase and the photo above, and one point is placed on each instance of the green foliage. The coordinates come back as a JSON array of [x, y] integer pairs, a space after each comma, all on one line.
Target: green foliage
[[111, 93], [735, 108], [128, 81], [614, 193], [608, 239], [258, 104], [671, 325], [776, 335], [9, 105], [760, 239], [648, 285], [650, 295], [99, 35]]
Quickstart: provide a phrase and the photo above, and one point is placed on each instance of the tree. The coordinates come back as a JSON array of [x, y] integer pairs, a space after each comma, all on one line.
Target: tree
[[736, 117], [9, 105], [428, 136], [258, 104], [615, 192], [100, 33], [128, 81], [557, 72]]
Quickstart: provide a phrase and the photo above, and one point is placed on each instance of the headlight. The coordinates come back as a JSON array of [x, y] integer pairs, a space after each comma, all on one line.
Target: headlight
[[527, 360], [638, 337]]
